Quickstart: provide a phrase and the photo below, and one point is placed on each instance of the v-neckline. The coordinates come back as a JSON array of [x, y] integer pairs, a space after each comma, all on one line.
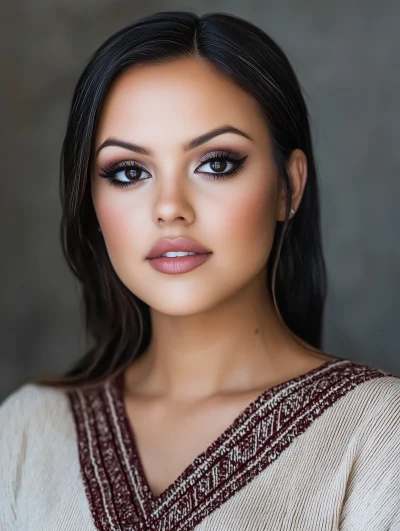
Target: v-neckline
[[158, 500], [117, 490]]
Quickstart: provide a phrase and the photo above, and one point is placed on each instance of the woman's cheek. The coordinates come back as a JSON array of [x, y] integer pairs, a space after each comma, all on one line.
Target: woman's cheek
[[251, 222], [116, 224]]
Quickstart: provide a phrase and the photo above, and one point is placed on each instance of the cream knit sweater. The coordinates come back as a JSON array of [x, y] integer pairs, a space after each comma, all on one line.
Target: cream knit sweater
[[320, 452]]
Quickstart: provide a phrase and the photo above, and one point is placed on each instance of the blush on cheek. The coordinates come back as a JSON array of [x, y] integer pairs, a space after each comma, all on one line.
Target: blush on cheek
[[251, 222], [115, 225]]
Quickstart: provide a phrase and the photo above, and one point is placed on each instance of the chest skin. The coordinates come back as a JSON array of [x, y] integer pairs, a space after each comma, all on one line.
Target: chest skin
[[169, 436]]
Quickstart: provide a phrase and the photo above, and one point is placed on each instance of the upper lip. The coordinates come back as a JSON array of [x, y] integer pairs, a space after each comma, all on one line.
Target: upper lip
[[176, 244]]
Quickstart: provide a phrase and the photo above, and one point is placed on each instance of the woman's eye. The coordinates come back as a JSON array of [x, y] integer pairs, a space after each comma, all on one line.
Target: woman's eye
[[218, 166], [129, 174]]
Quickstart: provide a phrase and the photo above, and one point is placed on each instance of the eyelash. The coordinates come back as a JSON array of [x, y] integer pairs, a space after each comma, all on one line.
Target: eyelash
[[110, 170]]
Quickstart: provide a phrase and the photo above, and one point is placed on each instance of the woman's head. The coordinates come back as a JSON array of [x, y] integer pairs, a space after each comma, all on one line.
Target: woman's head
[[159, 84], [173, 190]]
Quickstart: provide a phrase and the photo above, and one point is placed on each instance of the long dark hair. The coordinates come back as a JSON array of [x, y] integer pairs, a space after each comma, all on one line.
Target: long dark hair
[[118, 324]]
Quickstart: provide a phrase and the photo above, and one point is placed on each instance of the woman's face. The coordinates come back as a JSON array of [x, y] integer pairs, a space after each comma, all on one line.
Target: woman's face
[[161, 108]]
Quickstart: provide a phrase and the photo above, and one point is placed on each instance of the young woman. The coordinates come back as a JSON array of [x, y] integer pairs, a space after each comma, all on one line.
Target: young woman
[[191, 219]]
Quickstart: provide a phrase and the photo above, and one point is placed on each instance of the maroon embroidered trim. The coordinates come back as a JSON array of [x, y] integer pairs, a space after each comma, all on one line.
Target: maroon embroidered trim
[[114, 504], [115, 484]]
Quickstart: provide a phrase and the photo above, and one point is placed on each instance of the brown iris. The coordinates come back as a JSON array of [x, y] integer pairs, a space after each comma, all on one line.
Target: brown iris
[[218, 165], [133, 173]]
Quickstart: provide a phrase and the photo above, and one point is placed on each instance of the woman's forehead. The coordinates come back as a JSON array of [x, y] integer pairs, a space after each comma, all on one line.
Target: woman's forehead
[[181, 97]]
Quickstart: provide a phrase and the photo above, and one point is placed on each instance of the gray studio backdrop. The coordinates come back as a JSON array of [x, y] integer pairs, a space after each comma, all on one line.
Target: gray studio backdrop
[[346, 55]]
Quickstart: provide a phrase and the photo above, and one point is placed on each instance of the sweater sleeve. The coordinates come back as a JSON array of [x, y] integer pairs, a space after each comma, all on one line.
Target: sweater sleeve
[[12, 442], [15, 412], [372, 501]]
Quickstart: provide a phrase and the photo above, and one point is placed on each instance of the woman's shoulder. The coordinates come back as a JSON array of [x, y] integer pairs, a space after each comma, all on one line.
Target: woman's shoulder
[[31, 399], [371, 387], [33, 412], [347, 395], [372, 401], [376, 387]]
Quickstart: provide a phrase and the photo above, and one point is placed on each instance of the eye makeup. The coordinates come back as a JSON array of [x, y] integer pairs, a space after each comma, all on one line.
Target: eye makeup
[[131, 171]]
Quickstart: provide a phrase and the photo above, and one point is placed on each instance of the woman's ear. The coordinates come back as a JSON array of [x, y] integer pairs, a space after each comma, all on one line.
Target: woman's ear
[[297, 170]]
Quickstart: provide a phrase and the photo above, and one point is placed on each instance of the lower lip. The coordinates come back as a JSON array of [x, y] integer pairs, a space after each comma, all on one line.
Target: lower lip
[[180, 264]]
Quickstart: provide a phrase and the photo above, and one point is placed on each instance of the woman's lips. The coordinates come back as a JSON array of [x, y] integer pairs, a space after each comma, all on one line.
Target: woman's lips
[[179, 264]]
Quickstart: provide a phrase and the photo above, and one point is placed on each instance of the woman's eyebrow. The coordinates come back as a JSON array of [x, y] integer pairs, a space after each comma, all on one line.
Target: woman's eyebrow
[[202, 139]]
